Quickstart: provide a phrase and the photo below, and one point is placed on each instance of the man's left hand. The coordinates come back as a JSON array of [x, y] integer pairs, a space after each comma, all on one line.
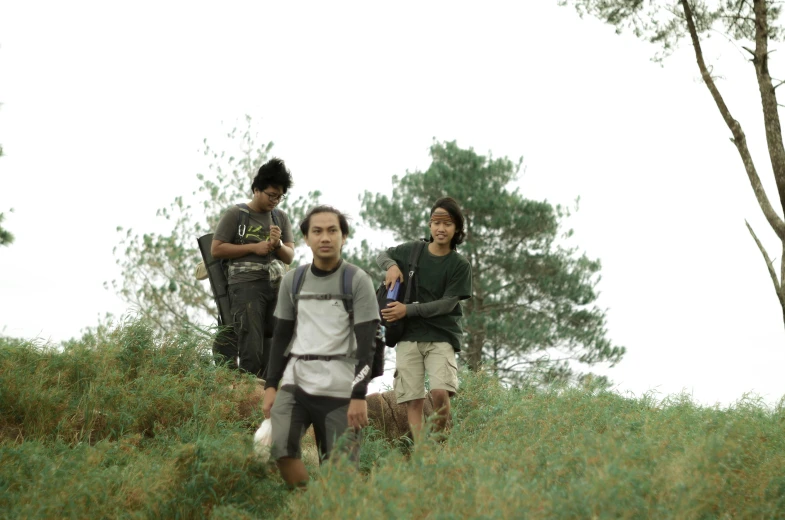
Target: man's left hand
[[395, 311], [358, 413]]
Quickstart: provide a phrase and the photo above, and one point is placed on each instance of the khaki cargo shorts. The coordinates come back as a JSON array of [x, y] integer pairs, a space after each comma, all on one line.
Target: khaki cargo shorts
[[413, 359]]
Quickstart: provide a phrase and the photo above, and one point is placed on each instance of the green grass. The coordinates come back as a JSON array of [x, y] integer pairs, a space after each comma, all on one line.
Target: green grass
[[128, 425], [132, 425], [574, 453]]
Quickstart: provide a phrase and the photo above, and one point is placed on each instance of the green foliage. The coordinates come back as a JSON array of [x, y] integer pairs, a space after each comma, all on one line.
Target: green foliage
[[6, 238], [364, 256], [128, 423], [662, 22], [129, 381], [158, 269], [572, 453], [7, 341], [532, 312]]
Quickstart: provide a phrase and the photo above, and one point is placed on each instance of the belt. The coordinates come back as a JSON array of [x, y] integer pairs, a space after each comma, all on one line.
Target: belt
[[309, 357]]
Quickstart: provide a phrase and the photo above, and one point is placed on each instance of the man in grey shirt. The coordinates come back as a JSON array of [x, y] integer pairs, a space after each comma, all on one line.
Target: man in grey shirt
[[251, 245], [321, 354]]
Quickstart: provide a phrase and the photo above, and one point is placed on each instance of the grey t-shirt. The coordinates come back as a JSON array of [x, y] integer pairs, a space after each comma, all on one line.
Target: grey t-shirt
[[323, 329], [249, 268]]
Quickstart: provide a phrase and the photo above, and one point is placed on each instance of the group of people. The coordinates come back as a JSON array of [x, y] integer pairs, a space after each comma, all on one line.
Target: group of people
[[312, 350]]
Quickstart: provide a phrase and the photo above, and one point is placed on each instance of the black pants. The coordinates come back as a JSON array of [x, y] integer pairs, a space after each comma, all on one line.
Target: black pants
[[253, 304], [295, 411], [225, 347]]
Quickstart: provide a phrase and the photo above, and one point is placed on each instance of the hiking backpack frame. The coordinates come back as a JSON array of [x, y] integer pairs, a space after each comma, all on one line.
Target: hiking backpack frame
[[346, 296]]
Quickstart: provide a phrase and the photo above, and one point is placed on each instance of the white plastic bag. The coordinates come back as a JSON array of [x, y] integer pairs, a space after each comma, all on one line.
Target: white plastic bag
[[263, 439]]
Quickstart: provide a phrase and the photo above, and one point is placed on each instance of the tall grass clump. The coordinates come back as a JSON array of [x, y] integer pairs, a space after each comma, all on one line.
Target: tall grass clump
[[128, 424], [572, 453]]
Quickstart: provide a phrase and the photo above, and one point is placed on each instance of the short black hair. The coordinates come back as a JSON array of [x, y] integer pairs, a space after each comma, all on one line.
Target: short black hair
[[305, 223], [272, 173], [452, 207]]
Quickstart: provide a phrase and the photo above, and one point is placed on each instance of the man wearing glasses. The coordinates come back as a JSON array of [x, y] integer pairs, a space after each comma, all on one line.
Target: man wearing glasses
[[251, 237]]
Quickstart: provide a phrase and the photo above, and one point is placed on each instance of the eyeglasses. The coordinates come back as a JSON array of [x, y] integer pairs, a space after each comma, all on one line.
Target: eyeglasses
[[274, 197]]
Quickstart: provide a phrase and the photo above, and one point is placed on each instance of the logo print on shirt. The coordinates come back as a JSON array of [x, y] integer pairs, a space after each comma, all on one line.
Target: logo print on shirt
[[258, 233]]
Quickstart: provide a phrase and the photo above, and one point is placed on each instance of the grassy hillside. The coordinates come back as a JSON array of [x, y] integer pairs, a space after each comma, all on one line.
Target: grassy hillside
[[130, 425]]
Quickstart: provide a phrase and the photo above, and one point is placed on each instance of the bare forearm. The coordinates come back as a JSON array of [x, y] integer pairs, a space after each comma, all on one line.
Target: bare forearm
[[285, 253], [228, 250]]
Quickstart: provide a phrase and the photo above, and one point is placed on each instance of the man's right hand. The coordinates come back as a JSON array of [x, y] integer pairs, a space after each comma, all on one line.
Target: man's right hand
[[275, 234], [262, 248], [357, 415], [269, 400], [393, 273]]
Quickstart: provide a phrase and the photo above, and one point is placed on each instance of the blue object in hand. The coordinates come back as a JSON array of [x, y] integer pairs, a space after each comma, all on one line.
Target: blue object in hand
[[392, 293]]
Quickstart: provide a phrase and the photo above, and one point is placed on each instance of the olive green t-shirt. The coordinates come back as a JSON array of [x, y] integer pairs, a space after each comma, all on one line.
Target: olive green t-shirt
[[437, 277], [251, 267]]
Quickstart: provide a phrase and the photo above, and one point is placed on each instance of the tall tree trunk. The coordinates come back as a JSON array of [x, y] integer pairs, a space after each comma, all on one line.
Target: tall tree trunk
[[475, 306], [768, 97], [772, 126], [476, 339]]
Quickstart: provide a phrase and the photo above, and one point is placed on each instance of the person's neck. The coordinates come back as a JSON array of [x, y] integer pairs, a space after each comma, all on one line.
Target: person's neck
[[439, 250], [253, 207], [327, 265]]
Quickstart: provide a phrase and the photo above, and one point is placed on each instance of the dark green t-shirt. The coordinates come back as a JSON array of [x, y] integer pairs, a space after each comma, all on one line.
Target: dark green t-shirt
[[437, 277]]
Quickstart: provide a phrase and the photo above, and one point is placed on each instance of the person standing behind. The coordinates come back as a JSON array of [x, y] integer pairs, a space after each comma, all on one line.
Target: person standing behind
[[251, 250], [322, 349], [432, 333]]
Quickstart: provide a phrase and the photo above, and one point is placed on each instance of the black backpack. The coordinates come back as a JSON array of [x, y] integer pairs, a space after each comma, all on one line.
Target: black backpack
[[347, 277], [393, 332]]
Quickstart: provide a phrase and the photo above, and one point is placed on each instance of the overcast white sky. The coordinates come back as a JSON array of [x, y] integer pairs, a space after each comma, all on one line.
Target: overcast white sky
[[105, 108]]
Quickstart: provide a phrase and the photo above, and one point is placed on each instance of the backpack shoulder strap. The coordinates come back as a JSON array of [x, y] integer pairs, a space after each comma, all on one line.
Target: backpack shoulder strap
[[275, 215], [414, 256], [347, 279], [297, 285], [243, 218], [414, 260]]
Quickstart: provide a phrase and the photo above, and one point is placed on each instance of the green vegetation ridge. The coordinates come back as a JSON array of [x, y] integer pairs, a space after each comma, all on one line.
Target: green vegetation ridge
[[132, 424]]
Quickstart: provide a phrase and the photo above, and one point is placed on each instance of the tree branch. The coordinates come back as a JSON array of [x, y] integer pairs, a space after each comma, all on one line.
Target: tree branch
[[737, 19], [739, 139], [769, 265], [781, 293]]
